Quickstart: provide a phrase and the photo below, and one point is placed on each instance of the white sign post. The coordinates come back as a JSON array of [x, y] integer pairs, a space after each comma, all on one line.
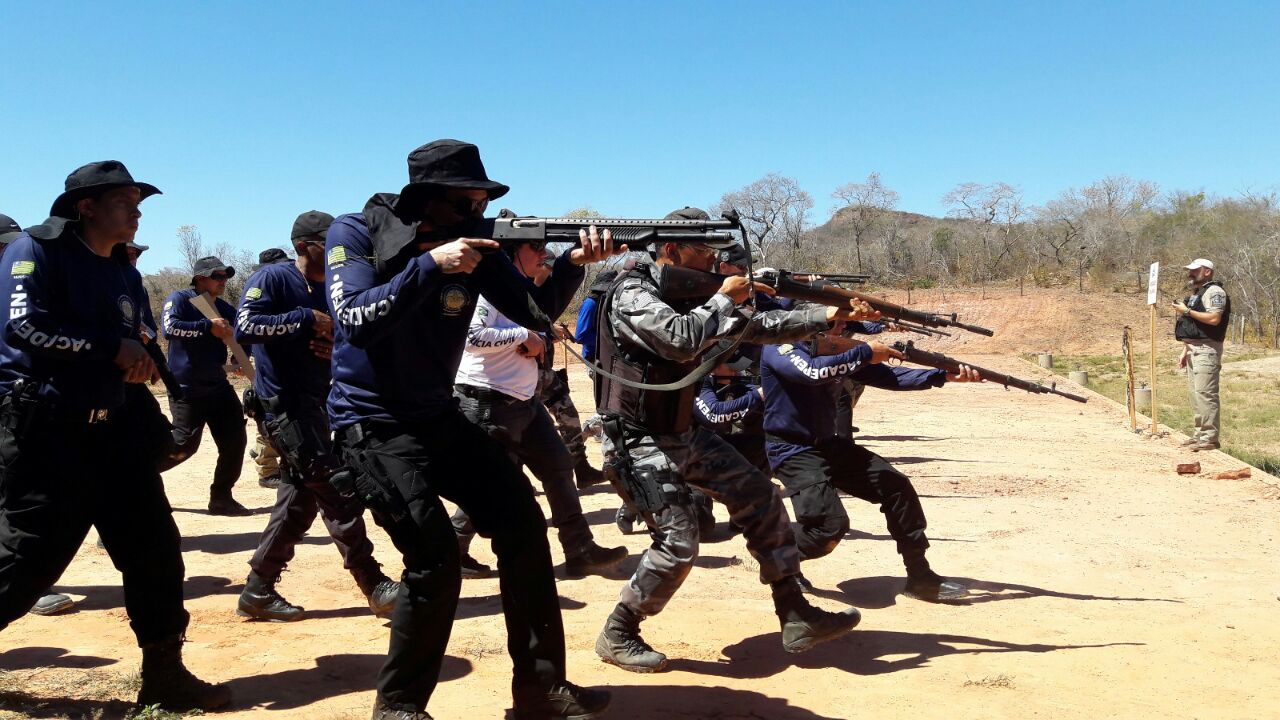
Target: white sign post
[[1153, 287]]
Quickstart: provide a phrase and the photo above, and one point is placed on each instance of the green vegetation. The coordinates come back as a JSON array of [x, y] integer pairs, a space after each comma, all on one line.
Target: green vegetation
[[1250, 400]]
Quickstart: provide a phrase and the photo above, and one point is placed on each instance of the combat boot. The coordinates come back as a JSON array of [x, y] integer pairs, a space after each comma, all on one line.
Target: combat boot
[[382, 596], [925, 584], [221, 503], [270, 482], [564, 701], [587, 475], [52, 604], [803, 625], [593, 558], [625, 520], [167, 682], [473, 569], [383, 711], [260, 601], [620, 644]]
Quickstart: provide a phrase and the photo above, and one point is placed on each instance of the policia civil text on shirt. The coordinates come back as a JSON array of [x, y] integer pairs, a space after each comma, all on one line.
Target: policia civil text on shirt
[[284, 320], [69, 455], [198, 356], [402, 286], [1203, 319], [656, 453]]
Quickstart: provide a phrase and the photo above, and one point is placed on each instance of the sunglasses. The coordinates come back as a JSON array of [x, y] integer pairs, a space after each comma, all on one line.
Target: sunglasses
[[466, 207], [537, 245], [218, 276]]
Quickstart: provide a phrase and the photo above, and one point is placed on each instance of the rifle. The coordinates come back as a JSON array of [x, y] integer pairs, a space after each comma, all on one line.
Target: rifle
[[633, 232], [167, 377], [679, 283], [824, 292], [836, 278], [952, 365]]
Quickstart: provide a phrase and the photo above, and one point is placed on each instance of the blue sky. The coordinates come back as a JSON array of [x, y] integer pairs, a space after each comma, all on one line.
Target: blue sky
[[247, 113]]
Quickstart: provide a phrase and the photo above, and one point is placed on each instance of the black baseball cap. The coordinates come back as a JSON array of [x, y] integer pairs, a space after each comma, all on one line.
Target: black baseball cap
[[693, 213], [207, 266], [311, 222], [272, 255], [135, 246], [9, 230]]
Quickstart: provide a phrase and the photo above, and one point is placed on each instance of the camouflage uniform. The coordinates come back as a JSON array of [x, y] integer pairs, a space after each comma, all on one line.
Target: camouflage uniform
[[695, 457]]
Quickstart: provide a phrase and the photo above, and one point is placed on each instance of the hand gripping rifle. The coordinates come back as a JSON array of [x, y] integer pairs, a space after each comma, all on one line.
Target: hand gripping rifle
[[171, 384], [825, 292], [952, 365], [682, 283]]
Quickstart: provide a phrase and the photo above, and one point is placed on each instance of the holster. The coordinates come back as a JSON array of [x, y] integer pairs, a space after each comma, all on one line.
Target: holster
[[641, 488], [367, 477], [306, 455], [21, 408]]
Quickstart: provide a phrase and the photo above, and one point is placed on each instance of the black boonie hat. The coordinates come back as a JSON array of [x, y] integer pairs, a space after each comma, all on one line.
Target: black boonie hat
[[443, 164], [92, 180], [207, 266], [311, 222], [9, 230], [736, 255], [271, 255]]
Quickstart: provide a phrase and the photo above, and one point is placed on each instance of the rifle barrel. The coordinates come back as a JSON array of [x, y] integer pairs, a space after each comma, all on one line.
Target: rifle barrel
[[952, 365]]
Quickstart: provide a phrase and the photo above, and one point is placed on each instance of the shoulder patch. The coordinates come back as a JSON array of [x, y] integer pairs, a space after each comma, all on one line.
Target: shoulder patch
[[786, 349], [253, 293], [337, 256], [22, 267]]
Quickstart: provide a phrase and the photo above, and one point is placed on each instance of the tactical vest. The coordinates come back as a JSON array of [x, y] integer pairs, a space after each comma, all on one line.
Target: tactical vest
[[657, 412], [1189, 328]]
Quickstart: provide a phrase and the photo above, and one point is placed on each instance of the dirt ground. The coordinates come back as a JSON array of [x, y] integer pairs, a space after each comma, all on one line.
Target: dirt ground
[[1106, 586]]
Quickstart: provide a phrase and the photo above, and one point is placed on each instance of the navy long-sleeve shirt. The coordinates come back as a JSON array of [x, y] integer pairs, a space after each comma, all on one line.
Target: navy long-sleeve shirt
[[400, 327], [69, 309], [276, 322], [800, 392], [196, 356], [720, 407]]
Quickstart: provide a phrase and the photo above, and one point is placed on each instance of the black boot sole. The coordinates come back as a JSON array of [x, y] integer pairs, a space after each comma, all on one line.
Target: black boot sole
[[253, 615], [642, 669]]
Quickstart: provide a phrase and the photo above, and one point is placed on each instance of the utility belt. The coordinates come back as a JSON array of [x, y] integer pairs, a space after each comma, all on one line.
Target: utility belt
[[487, 396], [369, 472], [23, 408], [644, 488]]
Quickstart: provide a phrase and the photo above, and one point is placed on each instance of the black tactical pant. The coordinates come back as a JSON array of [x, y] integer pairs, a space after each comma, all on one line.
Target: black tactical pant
[[220, 409], [61, 477], [812, 479], [525, 429], [300, 498], [415, 466]]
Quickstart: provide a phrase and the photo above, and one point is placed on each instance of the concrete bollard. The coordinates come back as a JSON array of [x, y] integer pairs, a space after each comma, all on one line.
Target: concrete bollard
[[1046, 361], [1080, 377], [1142, 399]]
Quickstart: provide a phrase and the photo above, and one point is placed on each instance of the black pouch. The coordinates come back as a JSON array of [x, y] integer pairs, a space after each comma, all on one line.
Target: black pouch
[[366, 479]]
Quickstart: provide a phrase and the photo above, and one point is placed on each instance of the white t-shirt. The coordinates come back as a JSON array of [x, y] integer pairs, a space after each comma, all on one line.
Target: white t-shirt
[[490, 359]]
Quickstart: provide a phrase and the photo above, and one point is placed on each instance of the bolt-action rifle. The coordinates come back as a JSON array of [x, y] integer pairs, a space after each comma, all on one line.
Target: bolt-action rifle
[[685, 284], [952, 365]]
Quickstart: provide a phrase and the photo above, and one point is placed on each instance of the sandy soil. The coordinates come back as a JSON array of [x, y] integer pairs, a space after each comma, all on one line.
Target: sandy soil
[[1106, 586]]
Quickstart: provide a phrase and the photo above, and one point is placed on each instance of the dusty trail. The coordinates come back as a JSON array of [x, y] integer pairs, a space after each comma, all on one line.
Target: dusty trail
[[1108, 586]]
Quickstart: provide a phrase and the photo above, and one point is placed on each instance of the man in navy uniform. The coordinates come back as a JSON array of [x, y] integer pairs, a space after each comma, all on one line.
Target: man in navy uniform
[[285, 321], [801, 382], [403, 279], [198, 355], [71, 342], [263, 454]]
